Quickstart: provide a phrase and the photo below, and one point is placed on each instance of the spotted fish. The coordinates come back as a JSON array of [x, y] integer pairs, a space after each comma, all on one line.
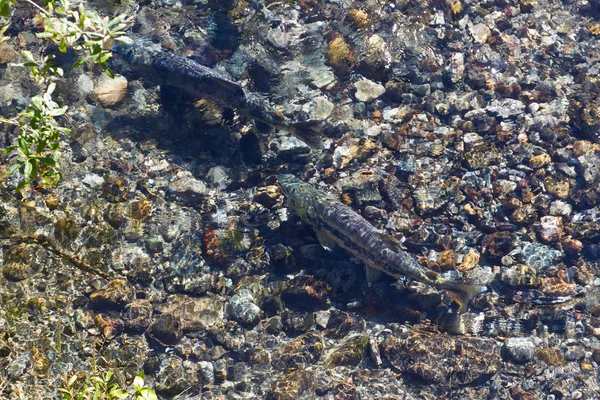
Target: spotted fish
[[338, 225], [151, 62]]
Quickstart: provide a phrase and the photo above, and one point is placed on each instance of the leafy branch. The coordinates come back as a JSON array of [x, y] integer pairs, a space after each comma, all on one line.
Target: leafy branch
[[37, 149]]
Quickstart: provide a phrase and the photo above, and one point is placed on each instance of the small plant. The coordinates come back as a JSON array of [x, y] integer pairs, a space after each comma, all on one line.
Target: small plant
[[37, 150], [105, 388]]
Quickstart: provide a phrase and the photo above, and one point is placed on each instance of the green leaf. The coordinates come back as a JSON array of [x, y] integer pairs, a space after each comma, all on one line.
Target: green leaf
[[28, 169], [30, 64], [104, 58], [9, 150], [21, 185], [51, 88], [107, 70], [44, 35], [146, 394], [14, 168], [119, 393], [62, 46], [4, 9], [59, 111], [37, 102], [124, 40], [81, 61], [28, 55]]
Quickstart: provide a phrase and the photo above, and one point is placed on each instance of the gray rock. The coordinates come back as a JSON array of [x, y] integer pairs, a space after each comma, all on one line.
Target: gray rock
[[155, 244], [187, 187], [521, 350], [218, 178], [289, 146], [367, 90], [480, 32], [318, 108], [241, 308], [506, 108], [589, 167], [559, 207], [195, 313]]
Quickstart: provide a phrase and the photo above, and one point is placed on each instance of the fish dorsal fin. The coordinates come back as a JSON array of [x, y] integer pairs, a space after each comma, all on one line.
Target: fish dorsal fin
[[326, 239], [390, 241]]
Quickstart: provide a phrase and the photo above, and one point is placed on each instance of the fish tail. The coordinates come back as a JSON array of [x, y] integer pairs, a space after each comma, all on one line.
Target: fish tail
[[462, 291]]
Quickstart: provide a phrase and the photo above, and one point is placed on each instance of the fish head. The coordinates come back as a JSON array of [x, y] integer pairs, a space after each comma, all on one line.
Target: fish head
[[297, 193]]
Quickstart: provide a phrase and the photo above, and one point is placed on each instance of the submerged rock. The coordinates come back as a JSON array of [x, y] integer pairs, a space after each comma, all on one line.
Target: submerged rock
[[441, 359]]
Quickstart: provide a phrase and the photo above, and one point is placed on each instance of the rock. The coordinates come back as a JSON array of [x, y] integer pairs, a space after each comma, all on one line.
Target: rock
[[7, 53], [115, 189], [525, 214], [289, 148], [589, 167], [187, 187], [195, 313], [291, 385], [116, 294], [367, 90], [218, 177], [175, 376], [480, 32], [138, 315], [520, 350], [341, 323], [350, 353], [167, 329], [520, 276], [85, 85], [559, 207], [318, 108], [551, 229], [300, 353], [94, 181], [297, 322], [267, 196], [154, 244], [306, 293], [441, 359], [22, 262], [241, 308], [339, 55], [506, 108], [110, 91], [539, 161], [498, 244]]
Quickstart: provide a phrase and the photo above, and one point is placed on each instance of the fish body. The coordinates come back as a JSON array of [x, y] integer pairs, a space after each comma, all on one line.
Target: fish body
[[338, 225], [148, 60]]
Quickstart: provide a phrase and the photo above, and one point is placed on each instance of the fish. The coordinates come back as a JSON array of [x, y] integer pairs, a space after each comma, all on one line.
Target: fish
[[337, 225], [148, 60]]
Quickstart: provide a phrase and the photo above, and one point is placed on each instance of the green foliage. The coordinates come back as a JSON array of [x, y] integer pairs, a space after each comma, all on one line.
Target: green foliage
[[37, 150], [105, 388], [4, 8], [84, 31]]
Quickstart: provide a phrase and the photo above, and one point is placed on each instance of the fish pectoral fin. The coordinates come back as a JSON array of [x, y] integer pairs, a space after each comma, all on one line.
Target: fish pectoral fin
[[326, 239], [390, 241], [372, 274]]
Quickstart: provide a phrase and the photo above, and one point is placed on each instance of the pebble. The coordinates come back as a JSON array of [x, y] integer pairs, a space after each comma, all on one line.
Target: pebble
[[241, 307], [187, 187], [520, 350], [109, 92], [93, 180], [480, 32], [367, 90], [560, 208]]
